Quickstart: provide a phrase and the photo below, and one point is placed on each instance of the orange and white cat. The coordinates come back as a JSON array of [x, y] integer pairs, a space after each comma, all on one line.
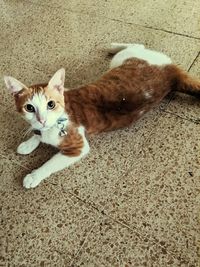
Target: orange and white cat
[[138, 80]]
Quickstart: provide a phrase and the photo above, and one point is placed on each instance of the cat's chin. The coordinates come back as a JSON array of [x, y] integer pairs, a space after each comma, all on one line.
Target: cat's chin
[[45, 128], [42, 128]]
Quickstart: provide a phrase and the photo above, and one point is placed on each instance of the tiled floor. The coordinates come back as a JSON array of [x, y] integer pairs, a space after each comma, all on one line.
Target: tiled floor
[[135, 200]]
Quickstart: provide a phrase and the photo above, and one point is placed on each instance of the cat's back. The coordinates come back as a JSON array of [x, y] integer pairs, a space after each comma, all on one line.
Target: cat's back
[[118, 97], [134, 73]]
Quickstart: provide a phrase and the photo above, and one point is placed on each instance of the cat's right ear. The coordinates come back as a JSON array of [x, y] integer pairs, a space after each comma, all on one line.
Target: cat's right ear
[[13, 85]]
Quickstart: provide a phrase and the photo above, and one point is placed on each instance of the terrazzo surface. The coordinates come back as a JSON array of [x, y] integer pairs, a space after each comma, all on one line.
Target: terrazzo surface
[[134, 201]]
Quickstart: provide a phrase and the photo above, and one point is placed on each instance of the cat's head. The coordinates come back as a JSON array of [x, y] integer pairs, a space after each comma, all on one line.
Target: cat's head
[[41, 105]]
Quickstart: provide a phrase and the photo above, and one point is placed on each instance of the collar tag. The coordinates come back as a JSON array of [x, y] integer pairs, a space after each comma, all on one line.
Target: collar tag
[[62, 133], [61, 124]]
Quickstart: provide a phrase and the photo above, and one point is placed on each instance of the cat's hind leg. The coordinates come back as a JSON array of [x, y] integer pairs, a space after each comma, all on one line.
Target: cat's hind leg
[[117, 47], [125, 51]]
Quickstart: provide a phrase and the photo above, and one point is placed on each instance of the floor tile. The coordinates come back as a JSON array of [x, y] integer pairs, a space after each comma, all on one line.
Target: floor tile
[[32, 36], [39, 227], [185, 106], [66, 45], [160, 196], [183, 14], [134, 200], [111, 244]]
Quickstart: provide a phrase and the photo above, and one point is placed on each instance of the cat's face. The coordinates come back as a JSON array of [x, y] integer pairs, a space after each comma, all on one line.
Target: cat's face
[[41, 105]]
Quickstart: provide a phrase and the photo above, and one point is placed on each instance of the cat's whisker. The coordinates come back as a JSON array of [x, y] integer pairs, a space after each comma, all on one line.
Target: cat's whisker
[[28, 131], [23, 131]]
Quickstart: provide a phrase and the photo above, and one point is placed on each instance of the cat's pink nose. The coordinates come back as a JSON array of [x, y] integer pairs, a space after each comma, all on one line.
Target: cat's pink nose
[[42, 121]]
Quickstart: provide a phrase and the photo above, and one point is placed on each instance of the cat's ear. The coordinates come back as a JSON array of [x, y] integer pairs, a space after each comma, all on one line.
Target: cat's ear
[[13, 85], [57, 81]]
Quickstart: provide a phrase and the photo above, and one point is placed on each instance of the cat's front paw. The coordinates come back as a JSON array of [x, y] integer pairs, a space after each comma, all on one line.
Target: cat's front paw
[[28, 146], [31, 180], [24, 148]]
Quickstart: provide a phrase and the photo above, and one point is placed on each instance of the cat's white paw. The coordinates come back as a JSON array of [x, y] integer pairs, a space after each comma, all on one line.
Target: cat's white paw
[[28, 146], [24, 148], [31, 180]]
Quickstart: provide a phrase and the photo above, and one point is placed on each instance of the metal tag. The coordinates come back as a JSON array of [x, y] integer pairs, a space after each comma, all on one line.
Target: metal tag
[[62, 133]]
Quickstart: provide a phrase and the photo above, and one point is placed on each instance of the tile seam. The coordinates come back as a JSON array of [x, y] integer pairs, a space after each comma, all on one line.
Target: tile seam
[[193, 62]]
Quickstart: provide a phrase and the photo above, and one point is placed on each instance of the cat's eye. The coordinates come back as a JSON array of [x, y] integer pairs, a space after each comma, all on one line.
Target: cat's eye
[[51, 104], [29, 108]]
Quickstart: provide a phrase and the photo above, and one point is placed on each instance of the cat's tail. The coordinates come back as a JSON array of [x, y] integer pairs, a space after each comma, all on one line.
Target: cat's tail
[[117, 47], [183, 82]]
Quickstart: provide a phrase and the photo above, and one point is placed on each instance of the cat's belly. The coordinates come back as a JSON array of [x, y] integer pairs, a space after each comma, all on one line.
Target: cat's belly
[[114, 121]]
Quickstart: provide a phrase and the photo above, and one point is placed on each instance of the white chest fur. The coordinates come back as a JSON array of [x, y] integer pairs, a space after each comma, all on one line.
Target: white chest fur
[[51, 136]]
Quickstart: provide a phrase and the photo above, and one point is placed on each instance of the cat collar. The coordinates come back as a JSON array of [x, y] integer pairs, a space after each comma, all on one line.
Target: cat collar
[[61, 124]]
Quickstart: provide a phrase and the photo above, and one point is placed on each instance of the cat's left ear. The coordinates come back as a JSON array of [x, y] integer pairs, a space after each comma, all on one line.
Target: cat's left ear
[[13, 85], [57, 81]]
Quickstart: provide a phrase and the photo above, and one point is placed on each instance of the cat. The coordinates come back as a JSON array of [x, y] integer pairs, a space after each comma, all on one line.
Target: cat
[[138, 79]]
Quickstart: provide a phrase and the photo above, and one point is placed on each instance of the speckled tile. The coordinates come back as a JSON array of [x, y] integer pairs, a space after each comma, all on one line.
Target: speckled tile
[[42, 227], [184, 14], [21, 70], [111, 244], [186, 106], [12, 127], [145, 179], [91, 38], [32, 45], [160, 196]]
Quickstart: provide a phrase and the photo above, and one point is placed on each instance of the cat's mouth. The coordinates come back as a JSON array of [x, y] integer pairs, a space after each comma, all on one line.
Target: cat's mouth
[[60, 123], [41, 127]]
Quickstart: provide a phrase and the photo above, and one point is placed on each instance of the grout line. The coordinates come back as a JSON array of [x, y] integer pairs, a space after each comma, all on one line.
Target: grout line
[[170, 32], [14, 161], [153, 28], [84, 241], [88, 204], [196, 121], [103, 213], [133, 230], [198, 54]]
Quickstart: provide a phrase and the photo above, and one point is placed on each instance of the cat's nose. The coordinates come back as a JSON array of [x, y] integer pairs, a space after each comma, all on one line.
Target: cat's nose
[[42, 121]]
